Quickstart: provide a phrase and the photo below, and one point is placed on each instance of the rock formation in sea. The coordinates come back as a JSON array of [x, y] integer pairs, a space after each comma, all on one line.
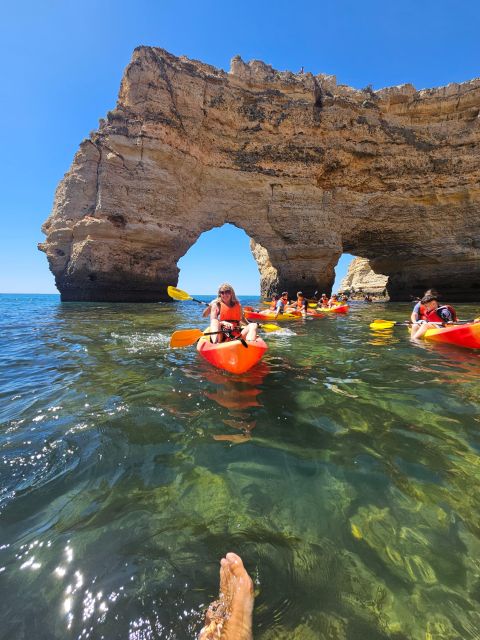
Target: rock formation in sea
[[360, 279], [307, 167]]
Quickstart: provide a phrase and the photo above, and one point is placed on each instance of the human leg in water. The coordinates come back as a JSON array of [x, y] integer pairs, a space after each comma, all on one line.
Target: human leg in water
[[230, 617], [419, 329]]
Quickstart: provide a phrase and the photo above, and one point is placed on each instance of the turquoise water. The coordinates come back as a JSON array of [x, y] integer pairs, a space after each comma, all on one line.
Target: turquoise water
[[344, 469]]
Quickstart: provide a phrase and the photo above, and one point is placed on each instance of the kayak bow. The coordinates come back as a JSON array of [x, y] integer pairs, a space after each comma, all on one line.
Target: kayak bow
[[231, 355], [464, 335]]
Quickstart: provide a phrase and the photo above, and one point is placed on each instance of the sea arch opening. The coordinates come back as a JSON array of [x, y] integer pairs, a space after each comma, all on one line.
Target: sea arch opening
[[221, 254], [355, 277]]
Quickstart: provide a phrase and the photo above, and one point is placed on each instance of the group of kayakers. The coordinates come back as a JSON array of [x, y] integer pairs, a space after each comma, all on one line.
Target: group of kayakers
[[227, 320], [281, 303]]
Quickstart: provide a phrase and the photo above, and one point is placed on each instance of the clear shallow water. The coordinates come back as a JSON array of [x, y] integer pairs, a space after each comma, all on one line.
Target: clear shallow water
[[344, 469]]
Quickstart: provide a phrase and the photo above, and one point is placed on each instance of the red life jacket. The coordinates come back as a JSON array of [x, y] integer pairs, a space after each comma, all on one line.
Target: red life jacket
[[230, 314], [434, 316], [298, 304]]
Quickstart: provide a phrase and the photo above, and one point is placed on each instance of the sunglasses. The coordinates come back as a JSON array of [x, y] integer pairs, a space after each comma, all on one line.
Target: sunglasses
[[226, 291]]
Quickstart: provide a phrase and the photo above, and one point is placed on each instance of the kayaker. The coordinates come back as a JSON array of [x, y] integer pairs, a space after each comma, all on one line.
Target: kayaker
[[226, 313], [333, 302], [431, 313], [300, 304], [282, 303], [273, 303], [323, 302], [416, 313]]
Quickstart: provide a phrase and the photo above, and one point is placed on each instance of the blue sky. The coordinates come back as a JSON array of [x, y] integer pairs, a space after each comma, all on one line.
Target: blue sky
[[63, 61]]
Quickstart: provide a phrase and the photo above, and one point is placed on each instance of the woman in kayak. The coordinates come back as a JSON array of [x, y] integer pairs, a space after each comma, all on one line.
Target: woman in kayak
[[431, 313], [226, 316]]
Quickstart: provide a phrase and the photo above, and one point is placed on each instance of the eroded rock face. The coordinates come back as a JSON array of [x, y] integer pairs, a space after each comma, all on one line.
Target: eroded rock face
[[361, 279], [308, 168]]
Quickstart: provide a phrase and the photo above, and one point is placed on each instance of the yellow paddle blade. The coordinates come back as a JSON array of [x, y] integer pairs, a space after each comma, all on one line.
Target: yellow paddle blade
[[270, 327], [381, 324], [178, 294], [185, 337]]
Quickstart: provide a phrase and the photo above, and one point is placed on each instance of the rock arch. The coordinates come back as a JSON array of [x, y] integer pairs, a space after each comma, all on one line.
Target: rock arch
[[308, 168]]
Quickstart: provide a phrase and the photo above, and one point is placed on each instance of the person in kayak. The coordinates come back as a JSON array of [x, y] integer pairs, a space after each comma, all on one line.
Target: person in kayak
[[300, 304], [226, 316], [230, 617], [416, 312], [431, 313], [282, 304], [323, 301], [333, 302], [273, 303]]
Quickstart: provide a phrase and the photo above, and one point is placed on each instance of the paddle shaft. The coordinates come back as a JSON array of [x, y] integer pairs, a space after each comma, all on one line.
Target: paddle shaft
[[408, 323]]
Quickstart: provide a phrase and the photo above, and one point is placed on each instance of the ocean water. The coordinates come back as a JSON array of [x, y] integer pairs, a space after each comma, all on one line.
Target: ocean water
[[344, 469]]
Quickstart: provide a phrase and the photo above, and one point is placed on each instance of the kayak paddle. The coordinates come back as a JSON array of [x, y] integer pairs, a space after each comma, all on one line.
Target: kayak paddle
[[178, 294], [388, 324], [186, 337]]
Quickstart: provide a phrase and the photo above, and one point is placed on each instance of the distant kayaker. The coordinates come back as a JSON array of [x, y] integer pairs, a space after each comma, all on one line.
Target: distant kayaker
[[431, 313], [273, 303], [282, 303], [323, 301], [300, 304], [333, 302], [226, 314]]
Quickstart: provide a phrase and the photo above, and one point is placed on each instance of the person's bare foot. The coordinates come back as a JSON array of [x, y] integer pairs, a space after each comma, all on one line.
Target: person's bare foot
[[230, 617]]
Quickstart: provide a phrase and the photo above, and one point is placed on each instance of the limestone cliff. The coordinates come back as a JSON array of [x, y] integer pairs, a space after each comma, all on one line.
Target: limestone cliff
[[361, 279], [308, 168]]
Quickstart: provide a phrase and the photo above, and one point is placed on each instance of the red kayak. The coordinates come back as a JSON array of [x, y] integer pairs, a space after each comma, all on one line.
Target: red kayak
[[462, 335], [340, 308], [231, 355]]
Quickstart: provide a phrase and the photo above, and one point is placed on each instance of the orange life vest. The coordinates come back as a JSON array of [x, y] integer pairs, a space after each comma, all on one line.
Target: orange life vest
[[230, 314], [422, 312]]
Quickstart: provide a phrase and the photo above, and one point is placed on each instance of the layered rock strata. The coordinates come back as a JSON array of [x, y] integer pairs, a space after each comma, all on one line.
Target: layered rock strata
[[308, 168], [360, 279]]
